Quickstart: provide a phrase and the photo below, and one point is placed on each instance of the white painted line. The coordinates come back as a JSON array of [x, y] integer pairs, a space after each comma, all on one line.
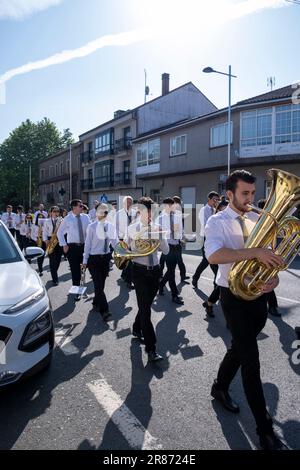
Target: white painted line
[[131, 428], [293, 301]]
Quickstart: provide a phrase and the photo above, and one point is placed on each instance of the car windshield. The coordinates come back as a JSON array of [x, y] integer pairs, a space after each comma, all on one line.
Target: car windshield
[[8, 251]]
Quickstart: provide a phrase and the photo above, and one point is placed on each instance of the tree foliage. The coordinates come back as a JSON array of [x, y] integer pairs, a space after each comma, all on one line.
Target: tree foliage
[[26, 146]]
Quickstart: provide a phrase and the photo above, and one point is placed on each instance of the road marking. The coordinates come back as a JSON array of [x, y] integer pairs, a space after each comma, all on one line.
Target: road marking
[[293, 301], [132, 429]]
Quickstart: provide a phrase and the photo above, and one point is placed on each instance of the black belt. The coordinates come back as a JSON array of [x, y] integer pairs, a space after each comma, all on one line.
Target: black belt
[[100, 255], [75, 244], [146, 268]]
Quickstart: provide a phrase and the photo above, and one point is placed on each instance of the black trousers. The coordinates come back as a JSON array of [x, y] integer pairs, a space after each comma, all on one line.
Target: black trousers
[[146, 286], [98, 266], [180, 262], [54, 262], [215, 295], [75, 257], [171, 260], [272, 299], [12, 231], [245, 319], [127, 273], [203, 265]]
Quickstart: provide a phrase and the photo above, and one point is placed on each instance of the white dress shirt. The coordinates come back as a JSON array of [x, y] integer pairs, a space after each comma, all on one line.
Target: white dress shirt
[[9, 219], [122, 220], [204, 214], [35, 230], [69, 227], [45, 214], [19, 219], [92, 214], [164, 220], [99, 236], [49, 226], [223, 230], [133, 230]]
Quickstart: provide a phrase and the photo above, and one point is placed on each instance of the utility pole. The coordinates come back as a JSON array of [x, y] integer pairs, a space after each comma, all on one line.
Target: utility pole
[[29, 186], [70, 167]]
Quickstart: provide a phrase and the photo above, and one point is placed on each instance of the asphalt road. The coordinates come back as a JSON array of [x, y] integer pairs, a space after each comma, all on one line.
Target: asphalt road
[[100, 393]]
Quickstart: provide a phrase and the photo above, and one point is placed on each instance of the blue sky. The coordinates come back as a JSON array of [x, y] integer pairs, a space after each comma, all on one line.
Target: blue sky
[[259, 38]]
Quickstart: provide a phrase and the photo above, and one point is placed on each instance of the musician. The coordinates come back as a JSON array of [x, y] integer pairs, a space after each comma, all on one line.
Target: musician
[[205, 213], [19, 219], [99, 236], [49, 234], [92, 212], [124, 217], [25, 231], [40, 211], [226, 233], [74, 225], [37, 238], [145, 274], [172, 223], [9, 219], [182, 269]]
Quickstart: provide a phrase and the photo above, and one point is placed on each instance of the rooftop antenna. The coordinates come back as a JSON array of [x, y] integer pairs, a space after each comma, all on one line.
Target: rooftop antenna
[[147, 89], [271, 82]]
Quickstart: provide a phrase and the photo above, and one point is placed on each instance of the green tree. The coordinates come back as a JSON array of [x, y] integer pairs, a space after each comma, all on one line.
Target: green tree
[[25, 147]]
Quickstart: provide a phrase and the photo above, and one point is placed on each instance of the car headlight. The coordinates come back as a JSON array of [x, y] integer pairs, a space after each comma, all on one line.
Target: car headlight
[[27, 302], [36, 331]]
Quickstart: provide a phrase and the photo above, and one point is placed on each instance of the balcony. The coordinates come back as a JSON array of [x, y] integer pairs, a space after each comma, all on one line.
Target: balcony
[[103, 152], [104, 182], [87, 156], [123, 145], [87, 184], [123, 179]]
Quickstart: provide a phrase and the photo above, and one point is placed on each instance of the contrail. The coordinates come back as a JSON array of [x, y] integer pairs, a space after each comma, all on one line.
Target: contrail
[[121, 39]]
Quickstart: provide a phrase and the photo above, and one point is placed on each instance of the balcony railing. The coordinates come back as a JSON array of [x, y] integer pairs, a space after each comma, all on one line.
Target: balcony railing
[[87, 156], [87, 184], [123, 179], [123, 144], [104, 182], [104, 152]]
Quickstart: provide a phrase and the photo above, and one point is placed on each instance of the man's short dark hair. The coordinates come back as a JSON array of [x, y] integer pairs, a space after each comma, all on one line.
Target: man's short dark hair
[[213, 194], [169, 201], [261, 203], [146, 201], [236, 176], [20, 208], [8, 206], [177, 199], [75, 202]]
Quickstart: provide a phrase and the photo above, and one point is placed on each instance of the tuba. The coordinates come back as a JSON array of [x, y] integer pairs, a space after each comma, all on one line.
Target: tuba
[[246, 278], [144, 247], [53, 242]]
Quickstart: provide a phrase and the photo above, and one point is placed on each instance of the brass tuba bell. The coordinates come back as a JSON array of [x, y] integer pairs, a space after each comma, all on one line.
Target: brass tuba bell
[[246, 278]]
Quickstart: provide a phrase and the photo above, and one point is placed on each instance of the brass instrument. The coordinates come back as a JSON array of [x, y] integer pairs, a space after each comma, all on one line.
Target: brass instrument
[[39, 240], [246, 278], [144, 247], [53, 242]]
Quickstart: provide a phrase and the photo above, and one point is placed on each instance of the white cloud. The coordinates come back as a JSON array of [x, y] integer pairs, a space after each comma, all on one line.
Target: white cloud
[[19, 9], [122, 39]]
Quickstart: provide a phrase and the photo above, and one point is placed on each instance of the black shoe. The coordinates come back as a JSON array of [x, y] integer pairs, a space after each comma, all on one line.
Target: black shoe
[[274, 311], [40, 273], [55, 283], [183, 281], [185, 277], [153, 356], [224, 398], [195, 283], [177, 300], [129, 285], [77, 297], [161, 291], [106, 315], [138, 335], [208, 309], [271, 442]]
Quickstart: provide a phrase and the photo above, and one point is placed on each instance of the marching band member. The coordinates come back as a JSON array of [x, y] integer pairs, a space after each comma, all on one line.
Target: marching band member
[[172, 223], [99, 236], [20, 218], [124, 217], [9, 219], [145, 275], [25, 231], [37, 237], [92, 212], [49, 233], [181, 265], [74, 225], [40, 211]]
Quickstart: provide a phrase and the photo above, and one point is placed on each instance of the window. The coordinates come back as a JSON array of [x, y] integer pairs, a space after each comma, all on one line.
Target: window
[[42, 173], [178, 145], [104, 174], [61, 168], [8, 251], [155, 195], [68, 166], [103, 142], [287, 123], [148, 153], [56, 169], [218, 135], [256, 127]]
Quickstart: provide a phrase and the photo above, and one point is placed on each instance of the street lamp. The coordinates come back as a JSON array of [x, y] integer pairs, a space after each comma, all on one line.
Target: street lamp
[[229, 75]]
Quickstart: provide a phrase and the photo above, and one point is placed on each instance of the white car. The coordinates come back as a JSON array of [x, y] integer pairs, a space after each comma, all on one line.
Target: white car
[[26, 323]]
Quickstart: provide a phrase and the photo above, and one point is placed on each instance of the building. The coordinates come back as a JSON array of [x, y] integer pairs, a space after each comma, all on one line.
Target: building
[[54, 177], [192, 158], [108, 160]]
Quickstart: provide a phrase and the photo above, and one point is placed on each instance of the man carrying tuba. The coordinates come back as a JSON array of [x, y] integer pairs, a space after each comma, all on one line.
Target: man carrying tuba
[[226, 234], [53, 249], [146, 238]]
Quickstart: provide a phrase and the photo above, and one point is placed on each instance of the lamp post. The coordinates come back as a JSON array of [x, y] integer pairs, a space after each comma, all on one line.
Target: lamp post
[[229, 75]]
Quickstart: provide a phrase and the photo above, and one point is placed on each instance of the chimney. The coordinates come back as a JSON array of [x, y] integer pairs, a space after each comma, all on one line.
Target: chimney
[[165, 84]]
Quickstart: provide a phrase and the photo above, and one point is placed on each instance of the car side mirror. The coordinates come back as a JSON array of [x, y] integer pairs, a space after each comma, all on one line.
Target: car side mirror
[[33, 252]]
